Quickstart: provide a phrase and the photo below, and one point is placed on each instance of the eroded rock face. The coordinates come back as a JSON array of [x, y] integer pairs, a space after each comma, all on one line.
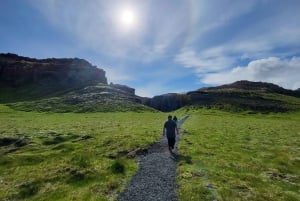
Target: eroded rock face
[[17, 71], [124, 88], [168, 102]]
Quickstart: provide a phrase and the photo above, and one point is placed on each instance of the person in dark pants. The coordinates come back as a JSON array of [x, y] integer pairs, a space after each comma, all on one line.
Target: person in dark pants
[[170, 127]]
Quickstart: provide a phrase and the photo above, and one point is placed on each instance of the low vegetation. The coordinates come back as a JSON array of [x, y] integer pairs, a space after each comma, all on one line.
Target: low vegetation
[[87, 156], [71, 156], [57, 105], [97, 98], [239, 156]]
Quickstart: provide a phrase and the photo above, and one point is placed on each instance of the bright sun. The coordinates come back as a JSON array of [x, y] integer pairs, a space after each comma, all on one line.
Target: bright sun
[[127, 17]]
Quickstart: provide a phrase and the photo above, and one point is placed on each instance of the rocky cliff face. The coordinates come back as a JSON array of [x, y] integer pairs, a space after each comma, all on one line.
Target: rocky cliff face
[[62, 85], [17, 71], [76, 85], [168, 102], [124, 88]]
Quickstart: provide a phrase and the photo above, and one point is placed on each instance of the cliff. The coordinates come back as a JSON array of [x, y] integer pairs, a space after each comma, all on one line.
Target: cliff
[[68, 85], [42, 77], [62, 85]]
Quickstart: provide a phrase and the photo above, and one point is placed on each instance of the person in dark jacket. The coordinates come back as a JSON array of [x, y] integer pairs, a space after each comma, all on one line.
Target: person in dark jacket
[[170, 129], [175, 120]]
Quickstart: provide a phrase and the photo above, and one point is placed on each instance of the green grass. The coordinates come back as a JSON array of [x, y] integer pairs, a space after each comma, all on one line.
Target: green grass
[[82, 156], [238, 100], [58, 105], [71, 156], [242, 156], [95, 98]]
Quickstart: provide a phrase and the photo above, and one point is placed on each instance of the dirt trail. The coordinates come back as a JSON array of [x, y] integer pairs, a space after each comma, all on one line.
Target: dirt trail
[[156, 178]]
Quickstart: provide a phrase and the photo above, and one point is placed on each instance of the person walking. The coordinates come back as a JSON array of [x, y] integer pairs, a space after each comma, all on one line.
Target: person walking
[[175, 119], [170, 129]]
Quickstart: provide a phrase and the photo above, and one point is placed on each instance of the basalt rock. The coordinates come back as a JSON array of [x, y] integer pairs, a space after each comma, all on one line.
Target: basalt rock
[[125, 88], [47, 75], [168, 102]]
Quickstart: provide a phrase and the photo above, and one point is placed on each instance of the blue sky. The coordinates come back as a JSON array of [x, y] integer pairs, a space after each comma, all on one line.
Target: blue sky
[[162, 45]]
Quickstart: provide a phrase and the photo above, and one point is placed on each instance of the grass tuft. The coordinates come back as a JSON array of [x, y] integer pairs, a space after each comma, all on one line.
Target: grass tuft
[[81, 160], [118, 167], [27, 189]]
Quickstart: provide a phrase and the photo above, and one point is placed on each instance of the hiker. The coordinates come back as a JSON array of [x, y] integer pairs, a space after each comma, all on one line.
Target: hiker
[[175, 120], [170, 127]]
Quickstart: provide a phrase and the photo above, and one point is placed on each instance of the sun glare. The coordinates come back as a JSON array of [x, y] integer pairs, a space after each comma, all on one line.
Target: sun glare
[[127, 17]]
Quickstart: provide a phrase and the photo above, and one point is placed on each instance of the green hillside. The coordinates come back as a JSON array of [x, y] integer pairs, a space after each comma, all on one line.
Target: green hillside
[[75, 85], [245, 95], [62, 85], [96, 98], [240, 96], [243, 100]]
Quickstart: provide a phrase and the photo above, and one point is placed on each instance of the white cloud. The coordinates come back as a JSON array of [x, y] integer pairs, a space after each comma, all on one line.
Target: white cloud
[[210, 15], [206, 36], [95, 26], [157, 88], [207, 61], [149, 90], [282, 72], [249, 32], [117, 75]]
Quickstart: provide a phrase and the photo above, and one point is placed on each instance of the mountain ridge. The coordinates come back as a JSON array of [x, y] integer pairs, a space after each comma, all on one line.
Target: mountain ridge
[[240, 95], [37, 78], [254, 86], [75, 85]]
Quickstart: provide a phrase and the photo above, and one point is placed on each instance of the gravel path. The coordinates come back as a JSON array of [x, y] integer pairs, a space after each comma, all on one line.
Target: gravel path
[[156, 178]]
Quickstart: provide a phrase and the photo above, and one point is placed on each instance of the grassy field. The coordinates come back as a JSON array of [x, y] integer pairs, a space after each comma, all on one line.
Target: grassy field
[[228, 156], [68, 156], [82, 156]]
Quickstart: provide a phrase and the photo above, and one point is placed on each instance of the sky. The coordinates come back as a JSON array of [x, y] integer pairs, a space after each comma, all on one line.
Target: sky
[[162, 46]]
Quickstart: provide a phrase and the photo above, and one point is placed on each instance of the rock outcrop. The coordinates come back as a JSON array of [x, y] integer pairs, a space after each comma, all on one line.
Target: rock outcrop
[[62, 85], [125, 88], [17, 71], [76, 85], [23, 78], [168, 102]]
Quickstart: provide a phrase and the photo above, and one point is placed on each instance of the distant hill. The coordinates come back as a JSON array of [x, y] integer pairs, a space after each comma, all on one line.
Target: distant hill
[[94, 98], [23, 78], [241, 95], [75, 85], [245, 85], [61, 85]]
